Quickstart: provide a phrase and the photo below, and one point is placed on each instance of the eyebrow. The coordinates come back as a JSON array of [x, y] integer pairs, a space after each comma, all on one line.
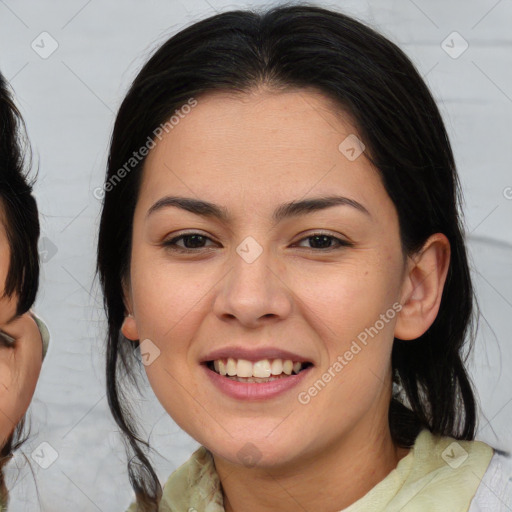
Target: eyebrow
[[283, 211]]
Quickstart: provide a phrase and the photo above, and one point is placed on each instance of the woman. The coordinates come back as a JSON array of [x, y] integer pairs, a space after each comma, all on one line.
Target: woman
[[280, 235], [23, 336]]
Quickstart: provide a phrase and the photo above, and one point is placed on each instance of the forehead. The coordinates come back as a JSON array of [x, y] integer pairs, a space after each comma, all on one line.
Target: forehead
[[257, 148]]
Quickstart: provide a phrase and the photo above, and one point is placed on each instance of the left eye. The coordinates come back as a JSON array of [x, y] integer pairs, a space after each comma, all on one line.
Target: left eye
[[193, 242], [324, 241]]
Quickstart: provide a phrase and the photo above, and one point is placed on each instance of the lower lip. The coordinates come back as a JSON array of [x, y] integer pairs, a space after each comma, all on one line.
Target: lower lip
[[255, 390]]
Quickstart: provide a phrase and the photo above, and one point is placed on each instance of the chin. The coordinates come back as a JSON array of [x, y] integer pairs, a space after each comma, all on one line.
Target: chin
[[255, 452]]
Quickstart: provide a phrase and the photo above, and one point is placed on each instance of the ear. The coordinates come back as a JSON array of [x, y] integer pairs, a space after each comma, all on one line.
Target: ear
[[423, 287], [129, 327]]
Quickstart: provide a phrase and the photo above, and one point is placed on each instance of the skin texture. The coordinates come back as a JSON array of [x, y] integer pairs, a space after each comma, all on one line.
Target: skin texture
[[250, 153], [20, 363]]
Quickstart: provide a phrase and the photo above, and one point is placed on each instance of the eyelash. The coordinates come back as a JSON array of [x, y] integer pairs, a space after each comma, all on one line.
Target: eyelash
[[171, 244]]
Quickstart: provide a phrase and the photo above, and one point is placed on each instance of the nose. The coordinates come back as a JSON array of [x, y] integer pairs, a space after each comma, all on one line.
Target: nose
[[254, 292]]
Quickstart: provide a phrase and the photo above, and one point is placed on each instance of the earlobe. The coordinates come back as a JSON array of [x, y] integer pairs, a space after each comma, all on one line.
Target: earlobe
[[423, 288], [129, 328]]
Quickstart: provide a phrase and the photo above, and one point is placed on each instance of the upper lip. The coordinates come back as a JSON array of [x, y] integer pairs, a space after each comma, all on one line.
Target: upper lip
[[254, 354]]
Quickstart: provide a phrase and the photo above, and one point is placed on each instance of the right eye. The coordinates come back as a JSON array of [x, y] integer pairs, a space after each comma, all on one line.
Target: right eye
[[193, 238]]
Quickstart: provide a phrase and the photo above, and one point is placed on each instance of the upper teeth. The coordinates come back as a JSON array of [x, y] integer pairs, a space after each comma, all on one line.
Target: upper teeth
[[261, 369]]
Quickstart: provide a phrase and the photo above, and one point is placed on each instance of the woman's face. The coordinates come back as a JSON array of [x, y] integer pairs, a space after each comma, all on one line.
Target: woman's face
[[20, 362], [255, 286]]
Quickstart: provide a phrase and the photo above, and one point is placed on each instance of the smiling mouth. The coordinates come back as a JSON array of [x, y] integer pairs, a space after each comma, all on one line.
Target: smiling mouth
[[265, 370]]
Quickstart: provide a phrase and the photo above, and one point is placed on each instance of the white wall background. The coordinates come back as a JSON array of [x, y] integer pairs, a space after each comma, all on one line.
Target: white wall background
[[69, 100]]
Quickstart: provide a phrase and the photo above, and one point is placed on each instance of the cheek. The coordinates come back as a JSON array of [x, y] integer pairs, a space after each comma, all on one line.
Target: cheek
[[175, 388], [16, 391], [5, 382], [170, 305], [348, 298], [8, 307], [167, 299]]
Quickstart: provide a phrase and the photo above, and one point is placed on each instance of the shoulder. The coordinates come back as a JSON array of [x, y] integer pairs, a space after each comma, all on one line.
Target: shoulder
[[194, 485], [495, 490], [43, 329], [442, 473]]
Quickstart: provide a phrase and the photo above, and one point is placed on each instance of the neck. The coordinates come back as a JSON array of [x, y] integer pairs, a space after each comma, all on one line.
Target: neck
[[344, 473]]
